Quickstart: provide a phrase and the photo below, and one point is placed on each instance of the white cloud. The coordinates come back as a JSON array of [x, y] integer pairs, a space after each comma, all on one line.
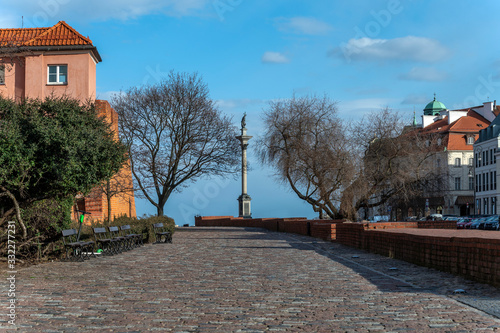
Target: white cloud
[[428, 74], [47, 13], [412, 48], [274, 58], [303, 25]]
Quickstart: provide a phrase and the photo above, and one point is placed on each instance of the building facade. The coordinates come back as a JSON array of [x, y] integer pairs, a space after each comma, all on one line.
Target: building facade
[[59, 61], [486, 152], [450, 135], [456, 131]]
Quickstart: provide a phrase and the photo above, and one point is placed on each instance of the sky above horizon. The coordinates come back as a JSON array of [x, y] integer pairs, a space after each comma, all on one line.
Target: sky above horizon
[[365, 54]]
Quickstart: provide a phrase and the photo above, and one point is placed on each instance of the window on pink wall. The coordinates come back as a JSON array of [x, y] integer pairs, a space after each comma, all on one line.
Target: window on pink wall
[[2, 74], [57, 74]]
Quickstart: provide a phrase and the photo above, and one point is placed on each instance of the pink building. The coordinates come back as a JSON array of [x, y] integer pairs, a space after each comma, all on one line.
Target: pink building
[[59, 61], [39, 62]]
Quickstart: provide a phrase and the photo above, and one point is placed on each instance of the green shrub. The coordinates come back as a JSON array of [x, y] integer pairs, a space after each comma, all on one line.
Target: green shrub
[[168, 223], [44, 221], [142, 226]]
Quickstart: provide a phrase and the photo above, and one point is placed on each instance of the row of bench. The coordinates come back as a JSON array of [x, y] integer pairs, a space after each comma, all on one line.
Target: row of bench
[[110, 241]]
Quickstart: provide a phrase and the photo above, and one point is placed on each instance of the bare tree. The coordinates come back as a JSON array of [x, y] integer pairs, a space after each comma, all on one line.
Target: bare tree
[[12, 53], [337, 168], [392, 161], [306, 144], [175, 134], [119, 186]]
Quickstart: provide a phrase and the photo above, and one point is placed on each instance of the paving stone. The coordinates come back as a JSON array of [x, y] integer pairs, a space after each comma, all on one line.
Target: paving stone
[[247, 280]]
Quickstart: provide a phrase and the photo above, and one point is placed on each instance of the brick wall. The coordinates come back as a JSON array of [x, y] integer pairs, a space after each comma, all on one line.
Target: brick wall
[[476, 258], [324, 229], [123, 203], [437, 224]]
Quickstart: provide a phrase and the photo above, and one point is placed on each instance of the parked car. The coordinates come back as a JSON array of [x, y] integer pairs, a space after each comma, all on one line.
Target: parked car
[[477, 222], [491, 223], [468, 224], [474, 223], [462, 222]]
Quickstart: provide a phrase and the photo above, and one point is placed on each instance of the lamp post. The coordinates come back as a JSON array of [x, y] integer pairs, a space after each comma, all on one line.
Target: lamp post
[[471, 174]]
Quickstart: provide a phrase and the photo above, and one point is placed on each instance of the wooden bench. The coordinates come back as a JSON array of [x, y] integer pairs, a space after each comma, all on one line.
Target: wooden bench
[[75, 249], [162, 235], [136, 239], [108, 244], [124, 243]]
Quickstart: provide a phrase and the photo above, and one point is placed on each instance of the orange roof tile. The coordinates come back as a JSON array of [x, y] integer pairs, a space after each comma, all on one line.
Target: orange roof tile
[[458, 141], [473, 122], [455, 134], [61, 34]]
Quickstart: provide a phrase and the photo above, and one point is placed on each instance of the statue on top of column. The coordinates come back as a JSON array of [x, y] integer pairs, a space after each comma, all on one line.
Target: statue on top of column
[[243, 120]]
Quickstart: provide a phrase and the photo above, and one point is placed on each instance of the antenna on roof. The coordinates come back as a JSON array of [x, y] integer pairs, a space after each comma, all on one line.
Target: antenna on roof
[[22, 21]]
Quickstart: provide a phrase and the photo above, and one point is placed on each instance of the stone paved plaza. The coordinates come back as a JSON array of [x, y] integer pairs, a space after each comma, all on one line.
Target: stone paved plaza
[[247, 280]]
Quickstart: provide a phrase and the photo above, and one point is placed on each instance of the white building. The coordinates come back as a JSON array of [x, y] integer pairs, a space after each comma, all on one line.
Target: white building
[[457, 130]]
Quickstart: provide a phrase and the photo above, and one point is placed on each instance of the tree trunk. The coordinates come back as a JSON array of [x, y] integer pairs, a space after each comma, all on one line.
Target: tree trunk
[[108, 198], [159, 210]]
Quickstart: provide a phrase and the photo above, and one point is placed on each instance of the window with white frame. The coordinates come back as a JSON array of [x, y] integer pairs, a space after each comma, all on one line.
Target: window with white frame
[[57, 74], [457, 161], [471, 161], [471, 183], [470, 140], [458, 182]]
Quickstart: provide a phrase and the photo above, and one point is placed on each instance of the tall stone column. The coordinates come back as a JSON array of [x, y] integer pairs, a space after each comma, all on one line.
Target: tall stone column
[[244, 199]]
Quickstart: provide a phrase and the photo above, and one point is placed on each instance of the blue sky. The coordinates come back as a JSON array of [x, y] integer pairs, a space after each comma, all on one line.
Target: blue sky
[[365, 54]]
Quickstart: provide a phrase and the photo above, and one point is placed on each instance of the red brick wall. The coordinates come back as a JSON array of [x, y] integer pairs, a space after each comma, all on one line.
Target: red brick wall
[[123, 203], [437, 224], [474, 258]]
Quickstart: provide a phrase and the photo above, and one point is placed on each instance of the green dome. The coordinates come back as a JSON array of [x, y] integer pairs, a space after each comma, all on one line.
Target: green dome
[[434, 108]]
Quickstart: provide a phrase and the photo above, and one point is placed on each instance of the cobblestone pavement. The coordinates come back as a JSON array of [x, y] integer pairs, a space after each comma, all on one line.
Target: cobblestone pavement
[[246, 280]]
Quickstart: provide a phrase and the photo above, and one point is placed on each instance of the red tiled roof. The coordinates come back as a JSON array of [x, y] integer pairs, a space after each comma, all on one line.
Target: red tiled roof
[[473, 122], [61, 34], [455, 134], [458, 141]]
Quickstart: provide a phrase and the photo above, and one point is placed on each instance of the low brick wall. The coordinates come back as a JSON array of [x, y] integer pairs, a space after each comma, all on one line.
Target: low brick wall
[[352, 234], [324, 229], [425, 243], [437, 224], [474, 258]]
